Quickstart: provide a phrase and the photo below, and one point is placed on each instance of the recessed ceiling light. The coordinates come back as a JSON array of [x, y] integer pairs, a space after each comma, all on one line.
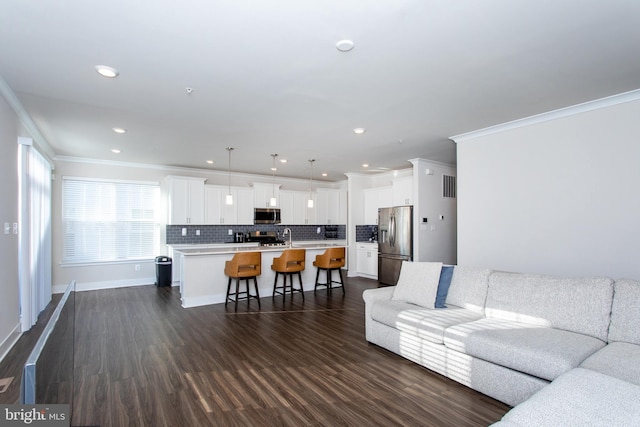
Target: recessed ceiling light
[[116, 151], [274, 169], [283, 160], [324, 174], [365, 165], [119, 130], [359, 131], [344, 45], [210, 162], [107, 71]]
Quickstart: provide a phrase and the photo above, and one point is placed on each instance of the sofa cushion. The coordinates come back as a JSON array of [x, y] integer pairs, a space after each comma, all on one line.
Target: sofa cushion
[[618, 359], [468, 288], [446, 274], [625, 312], [576, 305], [580, 398], [535, 350], [426, 324], [418, 283]]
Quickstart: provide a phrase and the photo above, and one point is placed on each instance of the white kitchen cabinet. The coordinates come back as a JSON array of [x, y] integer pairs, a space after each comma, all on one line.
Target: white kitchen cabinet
[[402, 189], [367, 260], [245, 206], [375, 198], [218, 212], [262, 193], [329, 206], [186, 200], [294, 210]]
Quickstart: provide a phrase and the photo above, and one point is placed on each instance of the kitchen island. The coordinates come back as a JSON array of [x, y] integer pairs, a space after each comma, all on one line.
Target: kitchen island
[[202, 278]]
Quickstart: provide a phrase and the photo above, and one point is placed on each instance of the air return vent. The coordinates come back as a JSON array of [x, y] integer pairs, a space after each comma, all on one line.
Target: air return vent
[[449, 186]]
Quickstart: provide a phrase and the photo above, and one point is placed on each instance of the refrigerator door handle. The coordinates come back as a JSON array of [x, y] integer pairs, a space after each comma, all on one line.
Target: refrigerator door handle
[[392, 231]]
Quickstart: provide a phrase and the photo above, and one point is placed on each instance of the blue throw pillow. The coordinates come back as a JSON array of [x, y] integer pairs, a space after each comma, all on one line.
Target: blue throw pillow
[[443, 285]]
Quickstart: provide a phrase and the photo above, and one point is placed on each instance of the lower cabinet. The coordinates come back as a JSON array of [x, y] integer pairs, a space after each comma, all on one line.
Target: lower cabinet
[[367, 260]]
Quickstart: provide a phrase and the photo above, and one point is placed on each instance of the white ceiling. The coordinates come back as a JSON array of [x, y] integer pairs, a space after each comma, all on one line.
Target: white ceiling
[[267, 78]]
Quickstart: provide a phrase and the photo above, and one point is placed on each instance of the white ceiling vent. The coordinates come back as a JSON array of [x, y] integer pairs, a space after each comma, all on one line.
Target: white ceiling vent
[[449, 186]]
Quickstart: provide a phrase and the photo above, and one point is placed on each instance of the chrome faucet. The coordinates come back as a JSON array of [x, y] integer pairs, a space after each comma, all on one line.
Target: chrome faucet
[[285, 232]]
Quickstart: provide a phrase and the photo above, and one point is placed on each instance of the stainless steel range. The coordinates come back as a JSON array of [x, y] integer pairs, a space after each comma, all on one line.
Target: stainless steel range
[[265, 238]]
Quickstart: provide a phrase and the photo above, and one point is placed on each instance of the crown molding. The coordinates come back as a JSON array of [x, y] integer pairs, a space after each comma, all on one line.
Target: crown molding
[[185, 170], [26, 120], [609, 101]]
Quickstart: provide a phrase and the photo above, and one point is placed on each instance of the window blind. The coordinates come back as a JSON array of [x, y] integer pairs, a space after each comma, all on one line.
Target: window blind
[[109, 220]]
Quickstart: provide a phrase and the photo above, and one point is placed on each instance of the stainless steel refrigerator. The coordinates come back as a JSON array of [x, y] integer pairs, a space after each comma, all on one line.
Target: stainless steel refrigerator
[[395, 242]]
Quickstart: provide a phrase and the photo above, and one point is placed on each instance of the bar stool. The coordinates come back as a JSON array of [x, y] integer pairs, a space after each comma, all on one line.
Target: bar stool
[[243, 265], [290, 262], [332, 259]]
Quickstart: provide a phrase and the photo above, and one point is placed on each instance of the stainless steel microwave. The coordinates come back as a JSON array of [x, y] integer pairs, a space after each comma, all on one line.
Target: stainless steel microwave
[[266, 216]]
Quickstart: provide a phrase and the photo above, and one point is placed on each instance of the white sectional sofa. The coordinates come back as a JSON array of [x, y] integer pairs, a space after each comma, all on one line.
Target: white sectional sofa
[[511, 335]]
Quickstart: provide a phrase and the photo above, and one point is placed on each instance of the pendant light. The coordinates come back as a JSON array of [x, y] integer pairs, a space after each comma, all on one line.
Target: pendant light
[[310, 201], [229, 198], [273, 201]]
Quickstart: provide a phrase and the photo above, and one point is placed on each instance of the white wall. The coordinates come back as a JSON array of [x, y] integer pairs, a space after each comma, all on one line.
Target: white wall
[[556, 197], [434, 240], [9, 287]]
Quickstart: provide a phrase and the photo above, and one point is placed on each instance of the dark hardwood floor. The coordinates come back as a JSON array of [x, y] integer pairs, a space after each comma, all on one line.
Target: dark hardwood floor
[[143, 360]]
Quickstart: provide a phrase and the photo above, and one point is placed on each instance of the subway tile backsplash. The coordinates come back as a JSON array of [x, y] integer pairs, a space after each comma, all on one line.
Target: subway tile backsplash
[[220, 233], [364, 233]]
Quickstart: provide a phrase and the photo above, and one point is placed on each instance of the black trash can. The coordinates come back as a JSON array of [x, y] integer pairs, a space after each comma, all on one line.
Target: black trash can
[[163, 271]]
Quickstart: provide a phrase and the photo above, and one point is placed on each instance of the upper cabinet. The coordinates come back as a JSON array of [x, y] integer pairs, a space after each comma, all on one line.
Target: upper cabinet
[[375, 198], [331, 207], [218, 212], [262, 194], [403, 191], [186, 200], [294, 208]]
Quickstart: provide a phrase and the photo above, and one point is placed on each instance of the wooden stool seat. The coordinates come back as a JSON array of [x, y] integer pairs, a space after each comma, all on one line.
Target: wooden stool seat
[[289, 263], [332, 259], [243, 265]]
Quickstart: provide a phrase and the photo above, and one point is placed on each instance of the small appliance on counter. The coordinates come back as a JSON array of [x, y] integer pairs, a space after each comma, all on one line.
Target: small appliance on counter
[[330, 231], [238, 237]]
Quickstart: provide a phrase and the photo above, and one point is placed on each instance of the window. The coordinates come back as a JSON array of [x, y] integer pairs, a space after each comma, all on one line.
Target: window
[[106, 221]]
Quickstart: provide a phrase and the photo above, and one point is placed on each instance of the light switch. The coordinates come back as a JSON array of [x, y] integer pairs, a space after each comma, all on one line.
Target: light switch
[[7, 228], [15, 228]]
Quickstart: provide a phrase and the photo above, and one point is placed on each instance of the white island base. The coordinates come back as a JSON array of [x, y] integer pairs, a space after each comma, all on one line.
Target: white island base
[[203, 282]]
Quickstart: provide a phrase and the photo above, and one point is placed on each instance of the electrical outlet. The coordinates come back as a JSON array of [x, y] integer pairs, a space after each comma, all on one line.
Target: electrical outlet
[[15, 228], [137, 267], [197, 232], [184, 231], [230, 232], [7, 228]]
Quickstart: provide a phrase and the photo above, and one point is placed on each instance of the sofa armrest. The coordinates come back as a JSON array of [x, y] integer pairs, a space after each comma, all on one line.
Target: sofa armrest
[[372, 295]]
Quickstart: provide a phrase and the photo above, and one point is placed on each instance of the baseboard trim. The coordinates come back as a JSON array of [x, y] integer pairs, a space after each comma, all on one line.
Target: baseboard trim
[[10, 341], [112, 284], [202, 300]]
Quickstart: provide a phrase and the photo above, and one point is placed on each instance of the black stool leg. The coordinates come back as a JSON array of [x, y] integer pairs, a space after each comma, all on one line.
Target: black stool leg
[[341, 281], [301, 288], [255, 284], [228, 290], [237, 292], [275, 283], [329, 281], [317, 277]]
